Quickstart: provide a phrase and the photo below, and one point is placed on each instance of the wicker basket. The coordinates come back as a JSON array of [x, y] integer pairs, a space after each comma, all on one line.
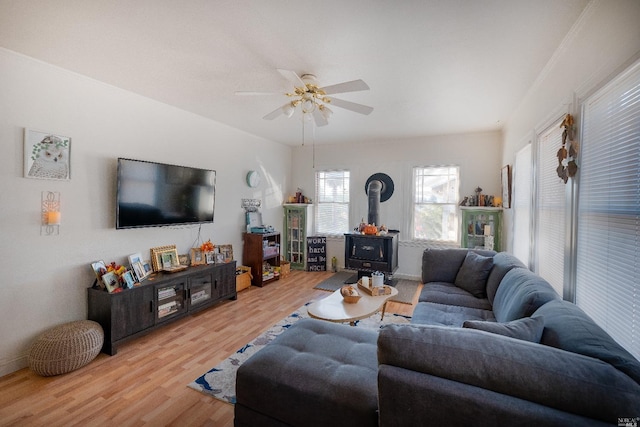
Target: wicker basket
[[243, 277], [285, 267], [66, 347]]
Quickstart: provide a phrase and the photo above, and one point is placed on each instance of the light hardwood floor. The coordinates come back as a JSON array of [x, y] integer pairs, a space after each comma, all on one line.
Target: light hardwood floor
[[145, 384]]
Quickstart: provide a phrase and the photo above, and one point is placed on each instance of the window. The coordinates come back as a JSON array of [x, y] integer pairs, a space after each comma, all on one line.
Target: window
[[435, 203], [608, 211], [550, 209], [332, 196]]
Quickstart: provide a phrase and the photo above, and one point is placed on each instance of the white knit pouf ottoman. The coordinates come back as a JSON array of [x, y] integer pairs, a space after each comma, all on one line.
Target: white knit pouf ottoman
[[66, 347]]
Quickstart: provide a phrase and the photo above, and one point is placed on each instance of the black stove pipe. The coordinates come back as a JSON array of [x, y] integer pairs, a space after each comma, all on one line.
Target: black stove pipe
[[373, 190]]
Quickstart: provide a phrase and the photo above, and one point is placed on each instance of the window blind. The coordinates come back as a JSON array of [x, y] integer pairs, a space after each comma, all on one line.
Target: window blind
[[550, 210], [332, 198], [608, 213], [435, 201], [522, 205]]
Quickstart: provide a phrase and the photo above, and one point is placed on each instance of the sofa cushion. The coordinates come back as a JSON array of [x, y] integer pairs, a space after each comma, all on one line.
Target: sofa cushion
[[520, 294], [567, 327], [526, 329], [503, 262], [442, 265], [472, 276], [428, 313], [310, 374], [450, 294], [537, 373]]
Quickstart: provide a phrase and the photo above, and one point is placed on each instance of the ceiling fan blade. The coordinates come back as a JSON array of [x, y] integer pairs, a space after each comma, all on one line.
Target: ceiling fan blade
[[352, 86], [275, 113], [292, 77], [319, 118], [243, 93], [348, 105]]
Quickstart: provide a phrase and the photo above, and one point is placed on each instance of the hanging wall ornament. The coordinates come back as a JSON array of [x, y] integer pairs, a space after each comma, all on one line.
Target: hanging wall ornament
[[567, 154]]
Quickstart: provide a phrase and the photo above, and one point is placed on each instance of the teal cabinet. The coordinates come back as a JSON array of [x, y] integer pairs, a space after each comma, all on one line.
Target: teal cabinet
[[298, 221], [481, 228]]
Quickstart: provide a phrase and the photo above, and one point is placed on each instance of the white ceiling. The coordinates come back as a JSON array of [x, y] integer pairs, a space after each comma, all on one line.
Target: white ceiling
[[433, 66]]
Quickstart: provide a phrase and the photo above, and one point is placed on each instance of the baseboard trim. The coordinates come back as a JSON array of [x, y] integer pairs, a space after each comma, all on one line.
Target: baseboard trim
[[14, 365]]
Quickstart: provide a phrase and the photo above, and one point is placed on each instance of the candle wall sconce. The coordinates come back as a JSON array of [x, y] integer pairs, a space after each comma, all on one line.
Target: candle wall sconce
[[50, 205]]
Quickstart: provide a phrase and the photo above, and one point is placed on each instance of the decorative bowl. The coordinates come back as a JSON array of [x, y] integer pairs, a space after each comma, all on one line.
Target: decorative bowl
[[350, 294]]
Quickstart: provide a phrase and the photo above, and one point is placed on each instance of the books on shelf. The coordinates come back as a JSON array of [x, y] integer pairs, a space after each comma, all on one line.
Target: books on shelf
[[199, 296], [168, 308], [165, 293]]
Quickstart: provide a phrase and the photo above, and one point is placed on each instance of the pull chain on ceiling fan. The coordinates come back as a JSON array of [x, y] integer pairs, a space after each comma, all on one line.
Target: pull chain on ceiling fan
[[313, 100]]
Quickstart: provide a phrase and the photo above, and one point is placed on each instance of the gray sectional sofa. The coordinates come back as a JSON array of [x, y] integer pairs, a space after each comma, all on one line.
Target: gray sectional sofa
[[490, 344]]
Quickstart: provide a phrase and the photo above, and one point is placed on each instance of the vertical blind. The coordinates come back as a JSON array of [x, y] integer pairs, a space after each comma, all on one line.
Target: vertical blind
[[522, 204], [608, 213], [550, 210]]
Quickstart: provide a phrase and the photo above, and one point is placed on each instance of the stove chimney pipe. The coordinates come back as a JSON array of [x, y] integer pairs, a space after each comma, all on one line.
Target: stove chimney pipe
[[373, 190]]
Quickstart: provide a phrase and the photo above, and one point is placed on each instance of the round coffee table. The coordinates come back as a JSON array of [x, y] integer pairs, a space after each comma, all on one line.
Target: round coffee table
[[334, 309]]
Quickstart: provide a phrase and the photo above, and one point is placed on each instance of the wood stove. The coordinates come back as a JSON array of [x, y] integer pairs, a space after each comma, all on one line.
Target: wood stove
[[371, 253]]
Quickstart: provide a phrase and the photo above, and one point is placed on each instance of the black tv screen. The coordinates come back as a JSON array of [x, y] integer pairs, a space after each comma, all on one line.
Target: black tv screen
[[155, 194]]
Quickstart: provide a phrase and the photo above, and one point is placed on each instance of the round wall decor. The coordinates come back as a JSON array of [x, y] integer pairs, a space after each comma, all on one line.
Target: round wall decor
[[387, 185], [253, 179]]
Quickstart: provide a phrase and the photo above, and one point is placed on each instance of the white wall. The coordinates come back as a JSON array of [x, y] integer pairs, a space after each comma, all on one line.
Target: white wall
[[44, 278], [477, 154], [604, 40]]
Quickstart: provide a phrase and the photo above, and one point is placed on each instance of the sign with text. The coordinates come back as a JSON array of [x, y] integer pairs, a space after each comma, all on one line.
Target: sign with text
[[316, 253]]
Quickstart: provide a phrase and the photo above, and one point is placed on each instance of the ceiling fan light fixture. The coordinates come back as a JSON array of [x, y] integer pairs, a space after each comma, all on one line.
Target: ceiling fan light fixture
[[308, 105], [326, 112], [288, 109]]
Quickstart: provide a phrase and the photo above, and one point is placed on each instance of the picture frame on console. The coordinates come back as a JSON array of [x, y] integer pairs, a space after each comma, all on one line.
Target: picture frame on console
[[140, 272], [110, 280], [227, 252], [164, 257], [99, 269], [197, 257], [210, 257], [129, 279]]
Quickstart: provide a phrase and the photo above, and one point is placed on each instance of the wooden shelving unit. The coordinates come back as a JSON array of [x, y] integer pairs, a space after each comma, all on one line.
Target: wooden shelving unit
[[261, 252]]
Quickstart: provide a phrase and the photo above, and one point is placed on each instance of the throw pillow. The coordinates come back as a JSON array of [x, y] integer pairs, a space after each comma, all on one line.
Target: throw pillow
[[473, 274], [526, 329]]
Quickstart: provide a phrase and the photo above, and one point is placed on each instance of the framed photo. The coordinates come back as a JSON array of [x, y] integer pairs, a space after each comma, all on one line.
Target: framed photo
[[140, 271], [164, 257], [505, 180], [147, 267], [110, 280], [209, 257], [183, 259], [167, 261], [219, 258], [135, 258], [197, 257], [46, 156], [128, 278], [227, 252], [99, 268]]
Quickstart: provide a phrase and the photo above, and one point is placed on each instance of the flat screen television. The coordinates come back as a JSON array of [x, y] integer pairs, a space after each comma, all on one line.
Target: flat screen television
[[156, 194]]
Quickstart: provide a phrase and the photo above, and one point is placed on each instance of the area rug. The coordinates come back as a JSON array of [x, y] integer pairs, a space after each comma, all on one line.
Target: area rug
[[220, 381], [406, 288]]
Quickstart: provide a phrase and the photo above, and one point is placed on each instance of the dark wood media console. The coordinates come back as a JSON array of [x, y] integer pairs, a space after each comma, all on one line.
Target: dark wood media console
[[163, 298], [367, 254]]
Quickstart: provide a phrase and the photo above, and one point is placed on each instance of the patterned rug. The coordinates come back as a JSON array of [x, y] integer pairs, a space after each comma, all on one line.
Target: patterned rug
[[406, 288], [220, 381]]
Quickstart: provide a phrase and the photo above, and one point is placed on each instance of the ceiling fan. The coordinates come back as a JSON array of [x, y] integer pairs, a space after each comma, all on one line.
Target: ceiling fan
[[313, 100]]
